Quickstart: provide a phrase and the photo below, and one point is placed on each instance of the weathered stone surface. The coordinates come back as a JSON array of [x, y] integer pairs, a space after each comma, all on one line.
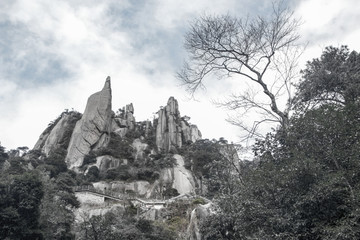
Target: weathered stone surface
[[177, 177], [171, 129], [140, 188], [107, 162], [93, 130], [139, 147], [125, 121], [190, 132], [168, 129], [58, 135], [183, 180], [198, 215], [41, 141]]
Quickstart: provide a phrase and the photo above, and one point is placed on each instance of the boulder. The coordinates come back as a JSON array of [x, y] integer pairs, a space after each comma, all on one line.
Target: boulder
[[92, 131]]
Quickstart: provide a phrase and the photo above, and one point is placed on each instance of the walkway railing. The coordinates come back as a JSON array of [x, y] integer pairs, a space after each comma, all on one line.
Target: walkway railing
[[115, 196]]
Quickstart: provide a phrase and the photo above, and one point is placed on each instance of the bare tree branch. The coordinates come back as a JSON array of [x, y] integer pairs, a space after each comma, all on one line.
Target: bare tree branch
[[249, 48]]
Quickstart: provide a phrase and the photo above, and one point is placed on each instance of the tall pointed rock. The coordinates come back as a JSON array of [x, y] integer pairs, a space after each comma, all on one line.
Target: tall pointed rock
[[172, 130], [92, 131]]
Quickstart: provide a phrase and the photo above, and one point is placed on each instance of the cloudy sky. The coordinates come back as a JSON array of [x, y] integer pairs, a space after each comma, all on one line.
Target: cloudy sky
[[54, 54]]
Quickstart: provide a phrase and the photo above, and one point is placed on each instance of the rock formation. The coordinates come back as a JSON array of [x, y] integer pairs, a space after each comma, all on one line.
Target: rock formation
[[172, 130], [58, 134], [179, 177], [124, 121], [197, 216], [135, 159], [92, 131]]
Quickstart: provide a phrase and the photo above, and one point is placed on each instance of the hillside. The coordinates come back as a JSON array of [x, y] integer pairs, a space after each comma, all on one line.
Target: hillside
[[104, 175], [150, 171]]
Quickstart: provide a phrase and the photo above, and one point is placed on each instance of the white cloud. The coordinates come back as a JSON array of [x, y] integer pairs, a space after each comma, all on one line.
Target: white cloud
[[328, 22], [57, 53]]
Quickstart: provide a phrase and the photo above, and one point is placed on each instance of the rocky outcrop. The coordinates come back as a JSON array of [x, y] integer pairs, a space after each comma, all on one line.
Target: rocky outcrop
[[140, 188], [177, 177], [124, 121], [190, 132], [168, 129], [171, 129], [198, 215], [106, 162], [93, 129], [182, 179], [58, 134], [139, 148]]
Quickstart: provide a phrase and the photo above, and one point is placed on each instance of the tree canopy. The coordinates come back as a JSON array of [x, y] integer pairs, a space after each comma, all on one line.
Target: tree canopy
[[332, 78], [303, 184]]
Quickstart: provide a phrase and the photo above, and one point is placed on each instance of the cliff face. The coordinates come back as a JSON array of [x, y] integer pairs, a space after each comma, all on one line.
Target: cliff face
[[129, 158], [125, 121], [58, 134], [122, 142], [172, 130], [92, 131]]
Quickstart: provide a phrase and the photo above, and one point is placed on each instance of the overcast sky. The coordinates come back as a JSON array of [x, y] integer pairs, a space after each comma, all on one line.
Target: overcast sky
[[55, 54]]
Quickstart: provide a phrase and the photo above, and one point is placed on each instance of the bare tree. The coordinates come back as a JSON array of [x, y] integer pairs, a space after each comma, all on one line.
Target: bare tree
[[250, 49]]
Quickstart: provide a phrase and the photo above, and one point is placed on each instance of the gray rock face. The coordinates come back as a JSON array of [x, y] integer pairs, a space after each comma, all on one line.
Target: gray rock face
[[41, 141], [198, 215], [168, 129], [178, 177], [106, 162], [92, 131], [58, 135], [125, 121], [190, 132], [171, 129]]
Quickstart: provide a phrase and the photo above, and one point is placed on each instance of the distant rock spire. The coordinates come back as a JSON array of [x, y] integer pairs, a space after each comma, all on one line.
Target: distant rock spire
[[173, 131], [107, 84]]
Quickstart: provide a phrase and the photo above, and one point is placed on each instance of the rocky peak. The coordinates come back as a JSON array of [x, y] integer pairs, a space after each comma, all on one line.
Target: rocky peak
[[92, 131], [172, 130], [129, 108], [124, 121]]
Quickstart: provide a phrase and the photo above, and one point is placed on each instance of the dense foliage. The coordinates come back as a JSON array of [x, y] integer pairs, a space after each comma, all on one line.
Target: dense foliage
[[305, 181], [332, 78], [20, 198], [36, 195], [121, 225]]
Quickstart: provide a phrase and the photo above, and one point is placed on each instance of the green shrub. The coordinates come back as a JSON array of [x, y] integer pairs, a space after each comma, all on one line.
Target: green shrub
[[89, 158], [199, 201], [171, 192], [177, 223], [147, 175], [93, 174]]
